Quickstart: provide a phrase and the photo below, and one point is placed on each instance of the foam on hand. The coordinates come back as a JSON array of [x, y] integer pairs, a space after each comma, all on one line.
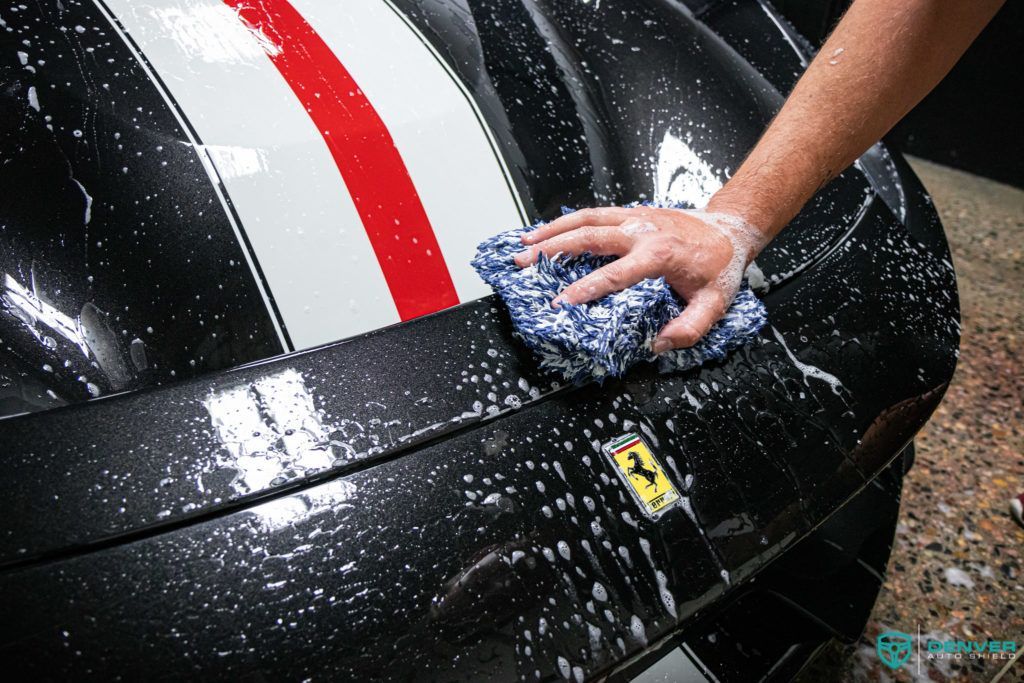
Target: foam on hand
[[605, 337]]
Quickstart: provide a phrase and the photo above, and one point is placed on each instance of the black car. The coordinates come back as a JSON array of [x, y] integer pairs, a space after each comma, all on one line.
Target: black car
[[262, 421]]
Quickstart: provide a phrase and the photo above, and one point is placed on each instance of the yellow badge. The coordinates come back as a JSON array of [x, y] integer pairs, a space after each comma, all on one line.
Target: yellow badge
[[642, 473]]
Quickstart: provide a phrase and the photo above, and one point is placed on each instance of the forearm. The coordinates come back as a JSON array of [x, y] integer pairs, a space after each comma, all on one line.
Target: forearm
[[881, 60]]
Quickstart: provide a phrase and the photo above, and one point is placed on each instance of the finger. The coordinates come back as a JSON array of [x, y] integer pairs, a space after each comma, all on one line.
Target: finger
[[600, 241], [703, 310], [614, 277], [605, 215]]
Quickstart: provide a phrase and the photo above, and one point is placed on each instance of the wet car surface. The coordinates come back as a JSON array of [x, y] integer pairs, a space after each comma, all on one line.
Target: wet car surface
[[956, 561], [418, 500]]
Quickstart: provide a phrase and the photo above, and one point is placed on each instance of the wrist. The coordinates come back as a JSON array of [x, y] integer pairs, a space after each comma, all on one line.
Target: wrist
[[760, 200], [754, 215], [747, 239]]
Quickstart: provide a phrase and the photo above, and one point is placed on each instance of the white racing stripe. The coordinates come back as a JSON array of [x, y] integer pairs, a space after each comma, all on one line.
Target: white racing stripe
[[293, 205], [279, 174], [456, 171], [215, 180]]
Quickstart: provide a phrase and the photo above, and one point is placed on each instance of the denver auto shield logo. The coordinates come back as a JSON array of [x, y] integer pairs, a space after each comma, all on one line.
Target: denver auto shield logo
[[893, 648], [642, 473]]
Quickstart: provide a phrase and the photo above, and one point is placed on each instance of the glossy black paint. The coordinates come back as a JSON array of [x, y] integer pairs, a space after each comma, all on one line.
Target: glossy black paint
[[108, 213], [457, 533], [422, 571], [822, 588]]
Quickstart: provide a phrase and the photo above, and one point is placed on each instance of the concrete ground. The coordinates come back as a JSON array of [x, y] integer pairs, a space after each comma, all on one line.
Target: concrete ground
[[957, 567]]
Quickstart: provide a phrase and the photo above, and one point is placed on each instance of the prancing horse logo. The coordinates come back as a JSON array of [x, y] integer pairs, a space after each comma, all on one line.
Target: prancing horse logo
[[893, 648], [639, 469], [641, 473]]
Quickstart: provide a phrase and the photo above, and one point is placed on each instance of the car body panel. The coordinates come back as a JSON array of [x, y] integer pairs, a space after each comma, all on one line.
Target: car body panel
[[145, 153], [419, 499], [278, 168], [414, 524]]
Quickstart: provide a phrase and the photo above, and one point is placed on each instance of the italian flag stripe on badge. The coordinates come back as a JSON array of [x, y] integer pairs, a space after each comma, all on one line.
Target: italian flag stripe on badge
[[629, 441]]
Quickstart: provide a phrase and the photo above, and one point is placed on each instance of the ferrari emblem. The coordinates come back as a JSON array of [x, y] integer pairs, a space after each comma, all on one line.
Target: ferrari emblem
[[642, 474]]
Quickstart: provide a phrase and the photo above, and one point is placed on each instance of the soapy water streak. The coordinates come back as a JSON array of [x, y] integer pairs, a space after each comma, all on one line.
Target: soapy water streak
[[810, 370]]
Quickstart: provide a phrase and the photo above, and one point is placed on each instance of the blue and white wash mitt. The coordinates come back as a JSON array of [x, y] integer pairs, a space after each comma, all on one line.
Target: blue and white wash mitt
[[605, 337]]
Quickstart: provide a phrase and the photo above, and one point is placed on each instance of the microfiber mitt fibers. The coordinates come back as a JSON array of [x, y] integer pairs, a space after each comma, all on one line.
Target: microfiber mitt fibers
[[608, 336]]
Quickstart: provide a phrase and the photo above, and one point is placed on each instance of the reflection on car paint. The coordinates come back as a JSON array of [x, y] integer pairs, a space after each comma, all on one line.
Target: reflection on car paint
[[30, 309], [212, 33], [270, 430], [281, 513], [235, 161], [680, 175]]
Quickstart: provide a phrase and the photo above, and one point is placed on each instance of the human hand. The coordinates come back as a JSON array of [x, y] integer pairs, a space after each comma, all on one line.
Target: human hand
[[702, 256]]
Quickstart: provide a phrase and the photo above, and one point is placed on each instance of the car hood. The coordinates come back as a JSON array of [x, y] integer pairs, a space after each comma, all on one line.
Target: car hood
[[426, 482]]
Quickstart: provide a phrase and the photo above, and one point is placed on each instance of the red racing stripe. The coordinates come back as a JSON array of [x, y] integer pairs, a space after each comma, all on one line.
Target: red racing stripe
[[362, 147]]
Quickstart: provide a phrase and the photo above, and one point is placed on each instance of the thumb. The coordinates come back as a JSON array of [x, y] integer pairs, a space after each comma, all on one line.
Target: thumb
[[702, 311]]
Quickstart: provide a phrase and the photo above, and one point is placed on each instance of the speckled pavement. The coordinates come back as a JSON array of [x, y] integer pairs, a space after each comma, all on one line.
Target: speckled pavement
[[957, 568]]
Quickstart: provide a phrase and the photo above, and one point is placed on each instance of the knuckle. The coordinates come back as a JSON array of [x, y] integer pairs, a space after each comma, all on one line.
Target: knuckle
[[687, 337], [684, 333], [615, 275], [715, 302], [561, 244], [581, 290], [662, 250]]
